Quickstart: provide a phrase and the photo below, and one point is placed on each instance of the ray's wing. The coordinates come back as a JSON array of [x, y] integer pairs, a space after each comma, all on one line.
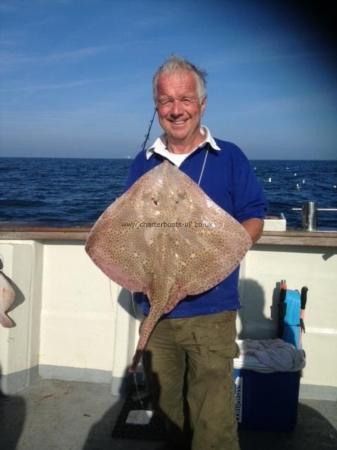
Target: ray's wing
[[209, 248], [116, 245], [7, 297], [122, 242]]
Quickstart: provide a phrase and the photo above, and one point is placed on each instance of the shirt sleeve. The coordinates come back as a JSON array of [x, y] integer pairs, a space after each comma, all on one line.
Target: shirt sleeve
[[249, 199], [136, 170]]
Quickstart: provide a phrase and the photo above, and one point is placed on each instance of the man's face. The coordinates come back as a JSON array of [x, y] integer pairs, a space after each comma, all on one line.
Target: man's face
[[179, 107]]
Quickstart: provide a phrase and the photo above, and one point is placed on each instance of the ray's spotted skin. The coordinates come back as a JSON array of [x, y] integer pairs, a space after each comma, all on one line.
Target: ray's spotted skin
[[7, 297], [166, 238]]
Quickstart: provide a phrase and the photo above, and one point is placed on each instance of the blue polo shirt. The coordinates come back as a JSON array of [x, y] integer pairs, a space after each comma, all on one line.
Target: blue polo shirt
[[229, 181]]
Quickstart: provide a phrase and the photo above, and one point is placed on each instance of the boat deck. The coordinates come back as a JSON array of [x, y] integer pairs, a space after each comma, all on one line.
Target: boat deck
[[55, 415]]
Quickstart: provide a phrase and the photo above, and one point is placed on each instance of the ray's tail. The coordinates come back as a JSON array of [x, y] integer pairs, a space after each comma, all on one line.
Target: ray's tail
[[145, 331]]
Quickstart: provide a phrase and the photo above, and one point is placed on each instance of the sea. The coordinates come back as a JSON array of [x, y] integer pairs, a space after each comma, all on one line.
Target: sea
[[66, 192]]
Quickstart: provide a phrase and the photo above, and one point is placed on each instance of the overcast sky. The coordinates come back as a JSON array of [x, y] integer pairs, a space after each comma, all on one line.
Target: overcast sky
[[76, 74]]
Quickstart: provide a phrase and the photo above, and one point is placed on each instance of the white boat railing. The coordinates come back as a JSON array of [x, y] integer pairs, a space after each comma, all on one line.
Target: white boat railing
[[310, 215]]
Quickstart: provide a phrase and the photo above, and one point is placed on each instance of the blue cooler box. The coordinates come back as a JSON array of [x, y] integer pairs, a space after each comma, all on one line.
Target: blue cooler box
[[266, 401]]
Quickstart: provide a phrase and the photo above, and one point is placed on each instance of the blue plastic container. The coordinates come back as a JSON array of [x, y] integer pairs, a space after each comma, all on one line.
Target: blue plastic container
[[266, 401]]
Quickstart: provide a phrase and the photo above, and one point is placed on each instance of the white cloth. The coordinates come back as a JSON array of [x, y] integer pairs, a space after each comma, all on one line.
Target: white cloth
[[269, 355]]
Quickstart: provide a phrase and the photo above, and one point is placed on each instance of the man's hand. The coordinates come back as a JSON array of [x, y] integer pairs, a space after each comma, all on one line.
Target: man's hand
[[254, 228]]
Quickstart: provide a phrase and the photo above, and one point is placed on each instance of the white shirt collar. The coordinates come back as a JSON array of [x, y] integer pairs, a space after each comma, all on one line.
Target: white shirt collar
[[159, 146]]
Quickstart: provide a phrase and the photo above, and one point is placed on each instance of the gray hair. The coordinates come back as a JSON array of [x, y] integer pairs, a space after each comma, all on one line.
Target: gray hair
[[176, 64]]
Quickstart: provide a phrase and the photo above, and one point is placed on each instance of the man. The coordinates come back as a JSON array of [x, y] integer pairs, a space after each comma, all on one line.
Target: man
[[192, 348]]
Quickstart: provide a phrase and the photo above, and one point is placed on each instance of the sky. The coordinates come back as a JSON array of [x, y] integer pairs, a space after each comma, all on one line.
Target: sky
[[75, 75]]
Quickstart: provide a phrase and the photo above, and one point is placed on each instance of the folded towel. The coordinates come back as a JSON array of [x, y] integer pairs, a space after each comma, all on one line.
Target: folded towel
[[270, 355]]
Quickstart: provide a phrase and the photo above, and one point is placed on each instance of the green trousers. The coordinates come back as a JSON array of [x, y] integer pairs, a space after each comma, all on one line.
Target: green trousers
[[189, 364]]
